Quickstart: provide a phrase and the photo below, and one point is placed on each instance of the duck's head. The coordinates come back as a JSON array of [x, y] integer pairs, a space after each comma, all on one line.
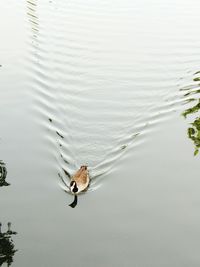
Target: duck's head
[[73, 187], [74, 191]]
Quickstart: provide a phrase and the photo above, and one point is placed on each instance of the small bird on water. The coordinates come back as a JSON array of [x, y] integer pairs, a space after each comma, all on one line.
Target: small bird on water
[[79, 183]]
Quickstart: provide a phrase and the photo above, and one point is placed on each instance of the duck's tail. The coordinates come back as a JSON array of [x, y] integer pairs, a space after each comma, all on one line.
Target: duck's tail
[[74, 203], [84, 166]]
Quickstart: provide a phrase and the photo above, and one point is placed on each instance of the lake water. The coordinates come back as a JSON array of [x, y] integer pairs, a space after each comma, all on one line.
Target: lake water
[[114, 85]]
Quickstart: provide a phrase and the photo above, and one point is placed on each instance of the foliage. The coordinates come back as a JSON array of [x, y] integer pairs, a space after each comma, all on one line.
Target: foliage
[[194, 129], [7, 247]]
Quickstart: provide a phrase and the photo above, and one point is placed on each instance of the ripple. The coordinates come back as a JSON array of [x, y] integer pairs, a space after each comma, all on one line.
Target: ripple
[[102, 80]]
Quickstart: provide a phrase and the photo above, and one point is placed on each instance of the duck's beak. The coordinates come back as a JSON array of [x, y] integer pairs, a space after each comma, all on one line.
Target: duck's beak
[[74, 203]]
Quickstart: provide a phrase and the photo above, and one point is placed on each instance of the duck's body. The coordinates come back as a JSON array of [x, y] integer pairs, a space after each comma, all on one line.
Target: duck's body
[[80, 180]]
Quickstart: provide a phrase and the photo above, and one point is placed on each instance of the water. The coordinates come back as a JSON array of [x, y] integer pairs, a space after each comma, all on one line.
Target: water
[[107, 84]]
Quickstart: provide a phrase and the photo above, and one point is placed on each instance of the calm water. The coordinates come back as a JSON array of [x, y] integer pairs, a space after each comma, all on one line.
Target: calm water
[[114, 85]]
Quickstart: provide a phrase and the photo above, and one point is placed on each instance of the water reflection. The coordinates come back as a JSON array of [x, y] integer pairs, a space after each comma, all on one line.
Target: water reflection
[[7, 247], [3, 174], [191, 93]]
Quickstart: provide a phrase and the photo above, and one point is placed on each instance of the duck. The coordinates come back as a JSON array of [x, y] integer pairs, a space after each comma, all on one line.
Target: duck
[[79, 183]]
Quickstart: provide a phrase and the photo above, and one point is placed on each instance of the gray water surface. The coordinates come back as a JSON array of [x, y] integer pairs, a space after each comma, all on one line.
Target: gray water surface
[[110, 84]]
